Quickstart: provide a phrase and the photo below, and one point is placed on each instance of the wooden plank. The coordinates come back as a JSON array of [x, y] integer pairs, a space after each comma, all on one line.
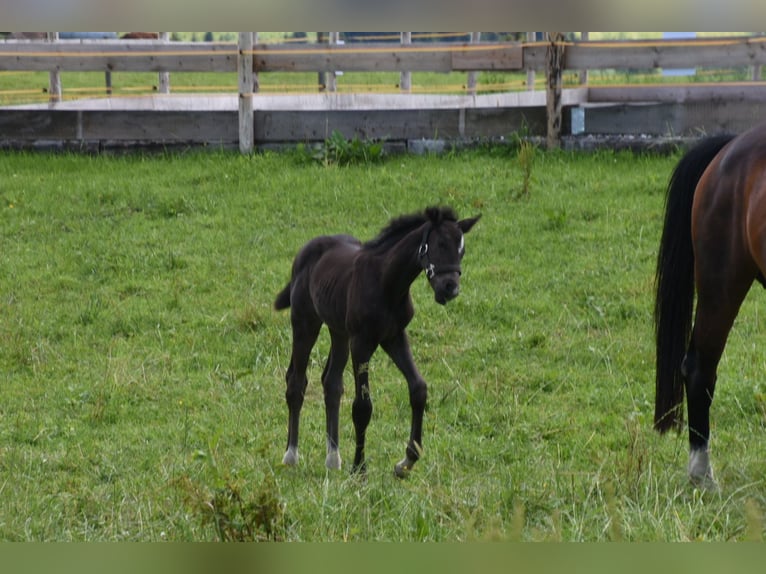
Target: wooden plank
[[481, 57], [372, 57], [316, 126], [742, 92], [653, 54], [402, 125], [38, 124], [629, 119], [117, 56], [711, 53], [504, 122], [156, 56], [197, 127], [722, 116], [673, 119]]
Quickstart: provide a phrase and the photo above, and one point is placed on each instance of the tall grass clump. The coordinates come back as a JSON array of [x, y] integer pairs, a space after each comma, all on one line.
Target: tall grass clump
[[338, 150], [526, 158]]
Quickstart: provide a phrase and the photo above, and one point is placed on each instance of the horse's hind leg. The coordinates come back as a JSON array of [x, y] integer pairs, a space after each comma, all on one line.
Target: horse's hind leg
[[305, 333], [715, 314], [332, 382]]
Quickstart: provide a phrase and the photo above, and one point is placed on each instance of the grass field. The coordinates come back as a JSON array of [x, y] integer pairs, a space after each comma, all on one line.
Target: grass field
[[143, 366]]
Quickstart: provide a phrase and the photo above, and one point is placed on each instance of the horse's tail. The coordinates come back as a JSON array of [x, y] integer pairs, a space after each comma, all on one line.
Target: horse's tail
[[283, 299], [674, 302]]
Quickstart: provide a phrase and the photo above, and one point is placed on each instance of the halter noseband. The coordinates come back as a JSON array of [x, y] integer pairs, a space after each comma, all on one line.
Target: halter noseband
[[425, 260]]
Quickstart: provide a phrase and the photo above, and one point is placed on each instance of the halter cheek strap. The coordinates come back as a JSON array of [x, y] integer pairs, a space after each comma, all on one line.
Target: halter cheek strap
[[425, 261]]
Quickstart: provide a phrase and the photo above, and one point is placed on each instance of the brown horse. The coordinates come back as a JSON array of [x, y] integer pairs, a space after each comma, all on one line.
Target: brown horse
[[362, 293], [714, 242]]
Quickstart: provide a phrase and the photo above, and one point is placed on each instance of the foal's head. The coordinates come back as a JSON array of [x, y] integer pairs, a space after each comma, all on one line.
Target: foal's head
[[441, 250]]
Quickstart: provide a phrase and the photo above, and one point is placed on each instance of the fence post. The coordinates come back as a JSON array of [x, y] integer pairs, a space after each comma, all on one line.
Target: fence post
[[245, 68], [322, 76], [405, 78], [473, 76], [54, 80], [553, 73], [530, 73], [256, 81], [164, 77], [584, 36], [332, 79]]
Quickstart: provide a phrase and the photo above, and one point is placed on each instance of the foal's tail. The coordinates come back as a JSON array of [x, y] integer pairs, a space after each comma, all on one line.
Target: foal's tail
[[283, 299], [304, 262], [674, 300]]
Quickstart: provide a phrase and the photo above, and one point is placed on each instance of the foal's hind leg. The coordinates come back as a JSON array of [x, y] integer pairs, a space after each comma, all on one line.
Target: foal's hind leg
[[715, 314], [305, 333], [361, 410], [332, 381]]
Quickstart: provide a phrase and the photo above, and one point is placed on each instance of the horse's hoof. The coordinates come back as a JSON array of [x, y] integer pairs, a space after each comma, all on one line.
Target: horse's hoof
[[333, 461], [700, 472], [704, 483], [291, 457]]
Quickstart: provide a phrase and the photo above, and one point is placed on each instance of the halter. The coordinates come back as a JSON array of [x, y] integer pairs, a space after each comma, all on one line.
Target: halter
[[425, 261]]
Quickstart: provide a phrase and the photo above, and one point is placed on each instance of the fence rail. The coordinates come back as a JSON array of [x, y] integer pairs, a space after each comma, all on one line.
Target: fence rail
[[248, 59], [154, 56], [159, 56]]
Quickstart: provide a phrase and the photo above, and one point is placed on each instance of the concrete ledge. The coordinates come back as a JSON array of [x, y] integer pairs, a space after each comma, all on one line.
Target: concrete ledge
[[310, 102]]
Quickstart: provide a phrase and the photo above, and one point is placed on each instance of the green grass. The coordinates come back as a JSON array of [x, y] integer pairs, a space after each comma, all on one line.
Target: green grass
[[142, 393]]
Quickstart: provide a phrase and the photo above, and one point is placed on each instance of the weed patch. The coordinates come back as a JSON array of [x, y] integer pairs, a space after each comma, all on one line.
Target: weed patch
[[337, 150]]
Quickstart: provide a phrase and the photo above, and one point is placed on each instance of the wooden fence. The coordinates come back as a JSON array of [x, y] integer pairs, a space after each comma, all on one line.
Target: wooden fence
[[251, 120]]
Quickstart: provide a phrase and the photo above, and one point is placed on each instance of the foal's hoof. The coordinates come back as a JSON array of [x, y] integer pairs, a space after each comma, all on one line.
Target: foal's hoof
[[333, 461], [403, 467], [291, 457]]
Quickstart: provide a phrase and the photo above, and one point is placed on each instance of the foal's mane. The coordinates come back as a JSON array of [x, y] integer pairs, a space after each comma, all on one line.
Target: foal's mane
[[400, 226]]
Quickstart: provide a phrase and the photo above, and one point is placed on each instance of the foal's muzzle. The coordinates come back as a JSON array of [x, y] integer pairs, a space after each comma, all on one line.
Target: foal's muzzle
[[446, 287]]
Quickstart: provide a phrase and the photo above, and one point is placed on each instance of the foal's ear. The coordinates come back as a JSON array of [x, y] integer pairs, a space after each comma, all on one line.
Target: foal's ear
[[466, 224]]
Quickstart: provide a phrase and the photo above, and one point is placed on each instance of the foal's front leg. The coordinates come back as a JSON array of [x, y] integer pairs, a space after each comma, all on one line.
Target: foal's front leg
[[398, 349]]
